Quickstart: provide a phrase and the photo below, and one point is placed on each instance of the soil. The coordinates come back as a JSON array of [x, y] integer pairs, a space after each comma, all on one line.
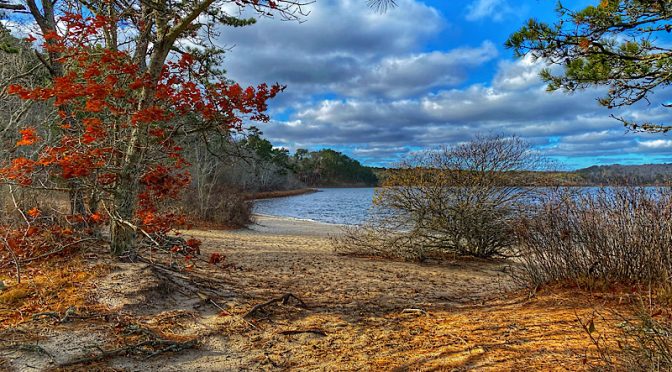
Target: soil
[[360, 313]]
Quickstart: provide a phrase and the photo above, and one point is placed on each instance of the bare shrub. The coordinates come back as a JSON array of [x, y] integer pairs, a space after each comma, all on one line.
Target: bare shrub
[[227, 206], [460, 200], [608, 235]]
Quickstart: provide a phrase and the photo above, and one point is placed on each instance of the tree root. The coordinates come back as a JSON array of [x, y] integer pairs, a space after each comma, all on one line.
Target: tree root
[[150, 348], [70, 312], [284, 299], [299, 331]]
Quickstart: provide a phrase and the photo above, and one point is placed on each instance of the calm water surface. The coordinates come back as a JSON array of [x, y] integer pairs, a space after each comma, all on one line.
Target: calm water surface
[[348, 206]]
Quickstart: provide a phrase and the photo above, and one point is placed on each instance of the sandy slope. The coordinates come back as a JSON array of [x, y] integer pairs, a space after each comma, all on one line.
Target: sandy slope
[[362, 314]]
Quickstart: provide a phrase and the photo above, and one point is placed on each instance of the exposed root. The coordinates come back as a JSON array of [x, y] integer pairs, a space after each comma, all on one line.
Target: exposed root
[[149, 348], [300, 331], [153, 345], [284, 299]]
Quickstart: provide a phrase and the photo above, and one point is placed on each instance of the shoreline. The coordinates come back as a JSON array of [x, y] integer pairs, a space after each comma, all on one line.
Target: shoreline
[[282, 225]]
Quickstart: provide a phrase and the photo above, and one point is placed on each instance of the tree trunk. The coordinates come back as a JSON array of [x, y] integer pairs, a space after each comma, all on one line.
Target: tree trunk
[[122, 233], [77, 206]]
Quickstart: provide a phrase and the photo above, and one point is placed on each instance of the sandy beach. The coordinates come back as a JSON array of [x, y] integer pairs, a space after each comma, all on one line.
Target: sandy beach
[[374, 314], [358, 313]]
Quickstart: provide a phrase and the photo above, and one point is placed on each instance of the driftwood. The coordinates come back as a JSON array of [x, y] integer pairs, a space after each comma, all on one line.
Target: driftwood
[[284, 299]]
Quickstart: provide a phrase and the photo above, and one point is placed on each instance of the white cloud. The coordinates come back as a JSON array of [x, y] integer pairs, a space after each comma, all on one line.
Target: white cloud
[[657, 144], [492, 9], [515, 102]]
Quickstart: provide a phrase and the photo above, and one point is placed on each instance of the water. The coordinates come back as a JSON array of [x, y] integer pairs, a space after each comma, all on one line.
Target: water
[[347, 206]]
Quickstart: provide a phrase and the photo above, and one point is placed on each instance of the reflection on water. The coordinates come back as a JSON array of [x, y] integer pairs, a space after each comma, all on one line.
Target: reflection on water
[[348, 206]]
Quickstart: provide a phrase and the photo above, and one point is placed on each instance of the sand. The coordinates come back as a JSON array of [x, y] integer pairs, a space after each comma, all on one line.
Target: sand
[[361, 313]]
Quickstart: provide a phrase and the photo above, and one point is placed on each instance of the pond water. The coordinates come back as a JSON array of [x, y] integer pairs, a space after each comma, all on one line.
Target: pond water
[[347, 206]]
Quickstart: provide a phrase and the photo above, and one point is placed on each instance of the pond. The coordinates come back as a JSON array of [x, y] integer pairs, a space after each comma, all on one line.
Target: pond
[[346, 206]]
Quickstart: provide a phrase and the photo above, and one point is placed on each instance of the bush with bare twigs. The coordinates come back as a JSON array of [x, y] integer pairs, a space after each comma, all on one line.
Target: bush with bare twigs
[[459, 200], [607, 235], [642, 340]]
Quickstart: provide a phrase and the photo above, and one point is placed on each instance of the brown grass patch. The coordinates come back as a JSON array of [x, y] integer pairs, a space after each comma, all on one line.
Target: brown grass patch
[[54, 286], [543, 333]]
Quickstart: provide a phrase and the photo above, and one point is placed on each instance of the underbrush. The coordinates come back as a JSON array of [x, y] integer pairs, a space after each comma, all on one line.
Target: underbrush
[[638, 338], [226, 207], [613, 235], [49, 287], [602, 240]]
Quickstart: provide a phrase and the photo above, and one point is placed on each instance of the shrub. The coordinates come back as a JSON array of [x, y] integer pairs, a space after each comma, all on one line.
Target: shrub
[[226, 206], [642, 341], [610, 235], [460, 200]]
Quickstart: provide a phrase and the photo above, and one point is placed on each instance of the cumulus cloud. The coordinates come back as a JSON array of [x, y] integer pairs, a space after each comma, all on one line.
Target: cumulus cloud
[[515, 102], [496, 10], [417, 73], [366, 83], [344, 48]]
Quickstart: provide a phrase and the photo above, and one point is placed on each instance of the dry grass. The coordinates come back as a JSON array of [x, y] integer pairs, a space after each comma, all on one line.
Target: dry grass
[[51, 286], [542, 334]]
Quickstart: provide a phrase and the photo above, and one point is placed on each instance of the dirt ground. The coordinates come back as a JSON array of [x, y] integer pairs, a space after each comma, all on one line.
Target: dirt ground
[[359, 313]]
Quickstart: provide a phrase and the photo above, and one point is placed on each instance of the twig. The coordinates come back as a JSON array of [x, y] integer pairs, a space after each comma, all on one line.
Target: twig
[[16, 205], [17, 263], [414, 311], [57, 250], [284, 299]]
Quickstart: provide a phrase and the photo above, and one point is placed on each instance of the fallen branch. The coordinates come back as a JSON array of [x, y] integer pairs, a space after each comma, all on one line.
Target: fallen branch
[[71, 311], [284, 299], [57, 250], [414, 311], [299, 331]]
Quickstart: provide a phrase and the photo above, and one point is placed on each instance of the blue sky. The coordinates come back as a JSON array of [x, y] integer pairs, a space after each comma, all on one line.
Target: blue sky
[[422, 75], [425, 74]]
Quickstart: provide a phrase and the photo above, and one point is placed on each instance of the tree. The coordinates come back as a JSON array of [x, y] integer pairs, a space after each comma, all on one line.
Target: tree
[[620, 44], [327, 167], [119, 107]]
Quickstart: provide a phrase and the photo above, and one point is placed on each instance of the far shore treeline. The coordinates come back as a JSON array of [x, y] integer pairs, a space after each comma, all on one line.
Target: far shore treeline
[[330, 168]]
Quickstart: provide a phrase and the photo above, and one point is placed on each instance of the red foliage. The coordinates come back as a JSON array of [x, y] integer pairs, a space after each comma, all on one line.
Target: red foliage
[[28, 137], [98, 100], [34, 212], [216, 258]]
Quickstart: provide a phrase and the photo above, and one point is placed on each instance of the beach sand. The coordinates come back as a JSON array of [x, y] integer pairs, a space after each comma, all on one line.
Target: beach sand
[[361, 313], [374, 314]]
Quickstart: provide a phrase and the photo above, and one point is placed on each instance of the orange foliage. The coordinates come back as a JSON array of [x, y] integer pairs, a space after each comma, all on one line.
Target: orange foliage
[[98, 100]]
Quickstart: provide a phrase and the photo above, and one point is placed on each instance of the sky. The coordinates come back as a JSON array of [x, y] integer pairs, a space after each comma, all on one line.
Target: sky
[[425, 74]]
